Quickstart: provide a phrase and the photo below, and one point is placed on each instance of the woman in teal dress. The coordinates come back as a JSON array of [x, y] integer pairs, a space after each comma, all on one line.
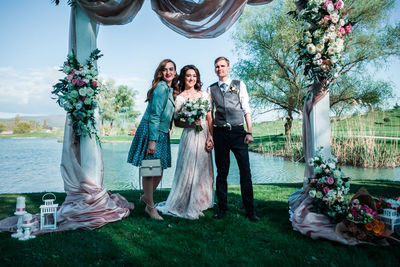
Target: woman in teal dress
[[152, 139]]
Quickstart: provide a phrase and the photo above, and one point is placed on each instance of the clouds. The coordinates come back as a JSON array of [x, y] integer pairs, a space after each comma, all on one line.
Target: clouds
[[28, 90]]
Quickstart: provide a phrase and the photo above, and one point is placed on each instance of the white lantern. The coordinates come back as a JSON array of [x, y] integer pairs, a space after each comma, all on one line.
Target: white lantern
[[48, 212]]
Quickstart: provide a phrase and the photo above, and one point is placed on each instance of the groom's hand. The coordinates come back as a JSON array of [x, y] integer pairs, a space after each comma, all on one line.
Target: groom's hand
[[248, 139]]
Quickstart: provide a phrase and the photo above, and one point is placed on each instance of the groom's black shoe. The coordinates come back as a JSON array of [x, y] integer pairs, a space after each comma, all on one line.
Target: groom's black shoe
[[220, 214], [253, 217]]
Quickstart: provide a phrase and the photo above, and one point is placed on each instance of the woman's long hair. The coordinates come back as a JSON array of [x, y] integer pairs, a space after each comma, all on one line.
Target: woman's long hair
[[158, 76], [181, 79]]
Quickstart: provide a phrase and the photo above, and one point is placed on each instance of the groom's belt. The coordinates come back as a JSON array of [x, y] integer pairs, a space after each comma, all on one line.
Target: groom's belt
[[228, 126]]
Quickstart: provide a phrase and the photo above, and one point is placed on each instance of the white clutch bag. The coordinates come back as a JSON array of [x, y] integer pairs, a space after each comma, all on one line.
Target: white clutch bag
[[150, 167]]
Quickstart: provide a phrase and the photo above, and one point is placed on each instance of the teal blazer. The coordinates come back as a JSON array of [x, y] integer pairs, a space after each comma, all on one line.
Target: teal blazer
[[159, 111]]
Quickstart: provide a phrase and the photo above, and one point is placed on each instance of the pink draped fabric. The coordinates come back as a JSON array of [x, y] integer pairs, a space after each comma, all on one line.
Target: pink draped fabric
[[206, 19]]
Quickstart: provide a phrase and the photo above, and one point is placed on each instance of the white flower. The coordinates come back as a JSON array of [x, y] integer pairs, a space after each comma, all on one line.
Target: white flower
[[320, 48], [317, 56], [312, 193], [342, 22], [319, 62], [82, 91], [319, 194], [330, 8], [90, 92], [336, 174], [308, 40], [331, 165], [311, 49], [332, 28], [331, 50]]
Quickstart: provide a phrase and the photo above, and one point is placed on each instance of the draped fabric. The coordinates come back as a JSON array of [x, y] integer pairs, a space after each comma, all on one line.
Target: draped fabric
[[192, 19]]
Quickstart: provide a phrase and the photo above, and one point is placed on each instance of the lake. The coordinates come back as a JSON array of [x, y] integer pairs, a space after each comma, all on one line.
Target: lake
[[32, 165]]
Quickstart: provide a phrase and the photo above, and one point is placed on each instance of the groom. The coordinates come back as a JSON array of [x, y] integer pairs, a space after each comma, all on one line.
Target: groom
[[230, 103]]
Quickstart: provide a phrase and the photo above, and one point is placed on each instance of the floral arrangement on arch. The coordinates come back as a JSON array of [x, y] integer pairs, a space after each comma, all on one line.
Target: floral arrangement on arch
[[192, 110], [77, 93], [328, 187], [326, 28]]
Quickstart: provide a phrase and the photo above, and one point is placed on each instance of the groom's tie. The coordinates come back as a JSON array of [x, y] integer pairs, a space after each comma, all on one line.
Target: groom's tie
[[223, 88]]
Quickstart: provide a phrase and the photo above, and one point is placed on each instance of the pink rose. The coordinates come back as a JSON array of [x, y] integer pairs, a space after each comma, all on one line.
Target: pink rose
[[327, 17], [348, 28], [334, 20], [327, 3], [332, 28], [73, 81], [94, 83], [69, 77], [338, 5], [80, 82], [330, 180], [342, 30], [326, 190]]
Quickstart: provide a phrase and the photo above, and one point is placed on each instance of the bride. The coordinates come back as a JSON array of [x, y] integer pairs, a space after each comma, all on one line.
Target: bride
[[192, 188]]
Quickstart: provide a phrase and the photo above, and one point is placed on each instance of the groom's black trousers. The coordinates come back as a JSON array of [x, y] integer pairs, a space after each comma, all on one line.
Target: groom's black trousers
[[226, 140]]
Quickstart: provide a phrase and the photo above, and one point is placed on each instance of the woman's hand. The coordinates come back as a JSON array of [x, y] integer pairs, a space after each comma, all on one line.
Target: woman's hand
[[209, 143], [151, 147], [196, 123]]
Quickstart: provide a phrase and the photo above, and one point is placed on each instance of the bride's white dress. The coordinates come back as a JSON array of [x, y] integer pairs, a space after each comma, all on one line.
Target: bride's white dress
[[192, 187]]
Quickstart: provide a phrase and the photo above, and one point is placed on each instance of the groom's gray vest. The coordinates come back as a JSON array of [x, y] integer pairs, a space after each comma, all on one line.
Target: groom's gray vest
[[228, 108]]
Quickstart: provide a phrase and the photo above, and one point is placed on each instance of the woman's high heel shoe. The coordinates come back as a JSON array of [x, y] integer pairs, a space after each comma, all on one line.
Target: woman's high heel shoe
[[153, 215]]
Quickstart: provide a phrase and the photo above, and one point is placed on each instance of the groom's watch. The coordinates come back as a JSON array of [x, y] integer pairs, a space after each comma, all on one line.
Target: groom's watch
[[249, 133]]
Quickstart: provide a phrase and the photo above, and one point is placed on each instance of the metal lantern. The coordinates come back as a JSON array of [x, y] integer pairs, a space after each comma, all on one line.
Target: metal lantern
[[48, 212]]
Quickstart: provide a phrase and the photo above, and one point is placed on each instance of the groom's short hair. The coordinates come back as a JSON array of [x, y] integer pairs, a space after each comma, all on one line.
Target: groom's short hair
[[221, 58]]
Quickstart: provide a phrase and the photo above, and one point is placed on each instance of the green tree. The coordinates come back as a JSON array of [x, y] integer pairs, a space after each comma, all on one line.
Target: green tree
[[22, 127], [117, 103], [3, 127], [266, 38]]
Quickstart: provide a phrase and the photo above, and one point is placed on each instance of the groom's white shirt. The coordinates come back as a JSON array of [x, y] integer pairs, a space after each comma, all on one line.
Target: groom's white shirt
[[243, 95]]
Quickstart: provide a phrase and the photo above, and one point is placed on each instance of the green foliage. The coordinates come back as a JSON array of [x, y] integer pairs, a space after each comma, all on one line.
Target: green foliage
[[3, 127], [22, 127], [265, 41], [117, 103], [231, 241]]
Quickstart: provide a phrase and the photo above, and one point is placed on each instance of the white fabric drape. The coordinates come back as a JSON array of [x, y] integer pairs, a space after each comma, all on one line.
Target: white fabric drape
[[192, 19]]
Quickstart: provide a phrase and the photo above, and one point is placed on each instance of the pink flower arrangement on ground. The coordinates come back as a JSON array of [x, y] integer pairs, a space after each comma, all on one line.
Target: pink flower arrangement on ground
[[361, 213], [77, 93]]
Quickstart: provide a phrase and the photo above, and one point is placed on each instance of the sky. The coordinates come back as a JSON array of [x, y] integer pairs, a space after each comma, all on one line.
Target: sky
[[34, 44]]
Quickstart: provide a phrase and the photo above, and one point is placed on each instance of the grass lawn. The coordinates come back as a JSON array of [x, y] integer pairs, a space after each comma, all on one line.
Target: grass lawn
[[234, 240]]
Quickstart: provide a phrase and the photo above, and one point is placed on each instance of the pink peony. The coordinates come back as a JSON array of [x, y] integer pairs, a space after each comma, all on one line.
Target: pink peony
[[348, 28], [80, 82], [73, 81], [327, 3], [342, 30], [338, 5], [330, 180], [69, 77], [94, 83], [326, 190]]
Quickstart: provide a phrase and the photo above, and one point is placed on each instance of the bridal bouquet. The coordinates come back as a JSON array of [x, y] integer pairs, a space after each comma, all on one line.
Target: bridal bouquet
[[325, 29], [328, 187], [77, 93], [193, 110]]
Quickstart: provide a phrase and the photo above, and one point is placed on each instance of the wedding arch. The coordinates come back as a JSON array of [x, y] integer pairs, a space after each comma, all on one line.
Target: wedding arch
[[88, 204]]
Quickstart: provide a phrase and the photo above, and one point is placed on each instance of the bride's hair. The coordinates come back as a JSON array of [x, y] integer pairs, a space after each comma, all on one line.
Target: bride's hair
[[158, 76], [181, 79]]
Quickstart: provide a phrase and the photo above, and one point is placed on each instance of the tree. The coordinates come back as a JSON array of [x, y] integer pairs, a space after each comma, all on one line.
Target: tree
[[3, 127], [117, 103], [22, 127], [266, 38]]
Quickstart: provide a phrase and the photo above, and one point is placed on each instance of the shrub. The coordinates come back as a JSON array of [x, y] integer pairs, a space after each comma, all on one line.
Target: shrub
[[22, 127], [386, 119]]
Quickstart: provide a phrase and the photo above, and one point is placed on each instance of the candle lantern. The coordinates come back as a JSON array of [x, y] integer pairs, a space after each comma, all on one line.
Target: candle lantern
[[19, 211], [48, 212]]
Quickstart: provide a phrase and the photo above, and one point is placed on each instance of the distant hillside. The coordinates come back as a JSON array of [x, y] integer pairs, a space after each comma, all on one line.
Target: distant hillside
[[52, 120]]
